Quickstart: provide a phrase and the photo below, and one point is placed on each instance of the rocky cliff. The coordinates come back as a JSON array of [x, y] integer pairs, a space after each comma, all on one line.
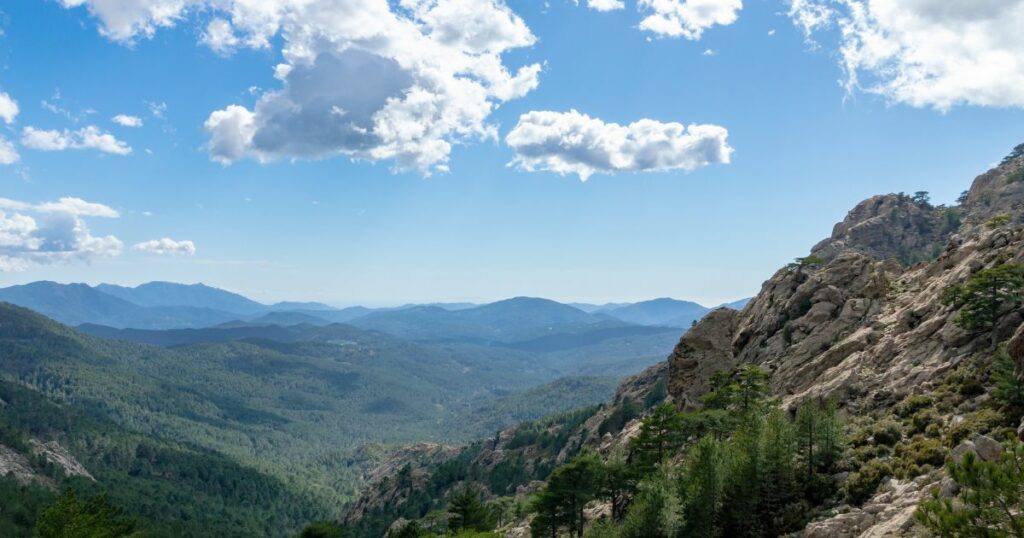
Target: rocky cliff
[[871, 333]]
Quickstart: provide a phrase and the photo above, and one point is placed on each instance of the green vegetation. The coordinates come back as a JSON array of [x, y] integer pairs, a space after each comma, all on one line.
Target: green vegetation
[[991, 499], [1016, 153], [530, 454], [987, 296], [747, 470], [308, 412], [997, 221], [90, 518], [169, 488]]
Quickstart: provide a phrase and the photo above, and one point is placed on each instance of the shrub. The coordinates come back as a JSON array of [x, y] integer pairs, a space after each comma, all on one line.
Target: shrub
[[861, 485], [924, 418], [912, 404], [972, 387], [921, 451], [887, 432], [982, 421], [997, 221]]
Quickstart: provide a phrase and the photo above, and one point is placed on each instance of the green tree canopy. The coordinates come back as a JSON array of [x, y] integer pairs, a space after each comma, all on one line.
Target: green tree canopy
[[988, 295], [70, 517]]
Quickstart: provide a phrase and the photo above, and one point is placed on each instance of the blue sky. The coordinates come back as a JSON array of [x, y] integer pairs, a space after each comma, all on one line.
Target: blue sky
[[353, 226]]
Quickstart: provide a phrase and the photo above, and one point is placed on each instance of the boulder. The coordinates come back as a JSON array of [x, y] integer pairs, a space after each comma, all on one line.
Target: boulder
[[987, 448]]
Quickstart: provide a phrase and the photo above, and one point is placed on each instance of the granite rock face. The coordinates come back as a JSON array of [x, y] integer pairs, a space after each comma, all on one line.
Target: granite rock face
[[890, 226]]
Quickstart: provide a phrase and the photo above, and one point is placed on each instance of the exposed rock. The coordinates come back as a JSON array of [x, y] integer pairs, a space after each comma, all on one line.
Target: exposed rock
[[17, 465], [703, 350], [961, 450], [999, 191], [889, 226], [1015, 349], [889, 514], [987, 448], [59, 456]]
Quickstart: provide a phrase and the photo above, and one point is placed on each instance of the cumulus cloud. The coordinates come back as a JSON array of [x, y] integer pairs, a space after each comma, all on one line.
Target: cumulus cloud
[[925, 53], [575, 143], [8, 153], [397, 81], [8, 108], [124, 120], [52, 232], [90, 137], [220, 36], [166, 247], [687, 18], [605, 5]]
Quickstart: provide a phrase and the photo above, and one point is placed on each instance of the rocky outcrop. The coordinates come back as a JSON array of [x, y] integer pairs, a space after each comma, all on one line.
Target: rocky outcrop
[[59, 456], [891, 226], [18, 465], [888, 514], [999, 191], [703, 350], [867, 331]]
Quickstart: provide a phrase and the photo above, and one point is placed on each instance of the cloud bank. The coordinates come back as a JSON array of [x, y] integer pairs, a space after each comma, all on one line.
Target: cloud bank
[[166, 247], [575, 143], [90, 137], [52, 232], [399, 82], [925, 53]]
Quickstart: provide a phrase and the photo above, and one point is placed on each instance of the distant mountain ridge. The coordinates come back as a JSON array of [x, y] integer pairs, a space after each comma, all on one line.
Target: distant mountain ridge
[[169, 305]]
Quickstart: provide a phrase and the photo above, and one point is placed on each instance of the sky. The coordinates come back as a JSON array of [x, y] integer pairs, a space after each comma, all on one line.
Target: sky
[[373, 152]]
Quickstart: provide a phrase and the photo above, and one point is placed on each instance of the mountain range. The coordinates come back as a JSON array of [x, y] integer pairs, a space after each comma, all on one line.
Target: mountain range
[[168, 305]]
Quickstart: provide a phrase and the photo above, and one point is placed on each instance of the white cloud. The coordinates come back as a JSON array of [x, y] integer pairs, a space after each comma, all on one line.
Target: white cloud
[[413, 77], [925, 53], [575, 143], [8, 108], [124, 120], [89, 137], [166, 247], [605, 5], [687, 18], [78, 207], [157, 110], [8, 153], [220, 36], [52, 232]]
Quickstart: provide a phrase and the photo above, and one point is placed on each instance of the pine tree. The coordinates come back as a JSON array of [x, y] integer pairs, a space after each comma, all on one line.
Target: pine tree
[[778, 474], [991, 500], [702, 489], [655, 512], [468, 511], [660, 437], [988, 295], [570, 487]]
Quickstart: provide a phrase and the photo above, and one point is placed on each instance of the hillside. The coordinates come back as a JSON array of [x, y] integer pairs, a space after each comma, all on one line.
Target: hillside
[[171, 488], [664, 312], [356, 387], [876, 325], [194, 295], [75, 304]]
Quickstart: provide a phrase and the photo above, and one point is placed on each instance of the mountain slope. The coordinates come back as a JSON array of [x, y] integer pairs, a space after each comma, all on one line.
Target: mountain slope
[[664, 312], [176, 489], [193, 295], [75, 304], [515, 319]]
